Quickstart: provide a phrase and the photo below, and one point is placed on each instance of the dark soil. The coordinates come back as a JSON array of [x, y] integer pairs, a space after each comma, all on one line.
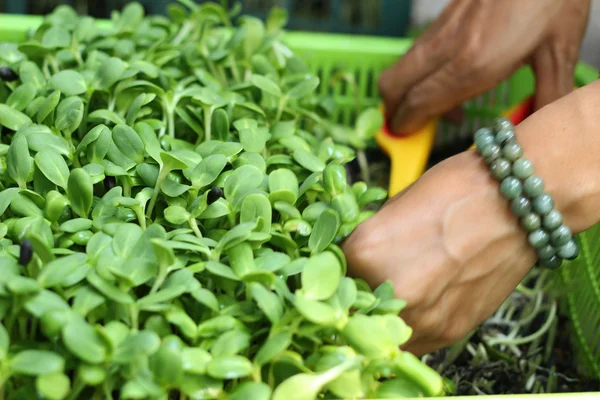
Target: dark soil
[[499, 376]]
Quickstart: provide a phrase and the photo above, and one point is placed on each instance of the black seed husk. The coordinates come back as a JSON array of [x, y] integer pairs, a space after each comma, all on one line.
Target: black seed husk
[[215, 194], [25, 253]]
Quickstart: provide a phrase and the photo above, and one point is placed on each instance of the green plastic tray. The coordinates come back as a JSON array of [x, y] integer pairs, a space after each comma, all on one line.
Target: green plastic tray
[[366, 57]]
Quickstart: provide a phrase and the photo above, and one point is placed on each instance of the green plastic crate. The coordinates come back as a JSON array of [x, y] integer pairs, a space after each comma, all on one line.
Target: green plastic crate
[[373, 17], [366, 57]]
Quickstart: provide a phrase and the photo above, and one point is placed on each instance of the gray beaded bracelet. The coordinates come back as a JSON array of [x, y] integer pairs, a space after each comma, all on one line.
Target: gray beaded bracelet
[[552, 239]]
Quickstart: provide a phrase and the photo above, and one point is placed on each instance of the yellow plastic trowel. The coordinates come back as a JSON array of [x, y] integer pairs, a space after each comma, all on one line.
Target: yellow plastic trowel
[[409, 154]]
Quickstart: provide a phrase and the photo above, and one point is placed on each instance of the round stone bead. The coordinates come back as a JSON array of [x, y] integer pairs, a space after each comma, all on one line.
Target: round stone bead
[[546, 252], [520, 206], [512, 151], [538, 239], [531, 222], [561, 236], [491, 153], [522, 168], [553, 263], [569, 251], [533, 186], [511, 188], [552, 220], [502, 123], [484, 141], [483, 132], [543, 204], [500, 169], [505, 135]]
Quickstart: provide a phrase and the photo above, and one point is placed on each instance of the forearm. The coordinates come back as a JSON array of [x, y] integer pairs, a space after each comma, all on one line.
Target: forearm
[[563, 142]]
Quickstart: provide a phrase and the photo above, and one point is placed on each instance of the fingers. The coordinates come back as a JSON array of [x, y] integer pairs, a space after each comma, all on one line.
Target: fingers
[[554, 72], [429, 52], [459, 80]]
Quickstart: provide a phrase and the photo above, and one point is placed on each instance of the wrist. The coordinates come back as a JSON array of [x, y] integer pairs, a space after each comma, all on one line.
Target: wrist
[[563, 142]]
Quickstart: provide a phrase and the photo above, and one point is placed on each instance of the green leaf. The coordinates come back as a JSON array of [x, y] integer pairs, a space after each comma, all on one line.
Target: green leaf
[[183, 322], [324, 231], [53, 166], [229, 367], [399, 388], [109, 73], [306, 386], [54, 386], [266, 85], [142, 343], [176, 215], [335, 181], [242, 181], [316, 312], [55, 272], [69, 82], [231, 343], [38, 141], [209, 97], [308, 160], [221, 270], [48, 106], [238, 234], [4, 342], [304, 87], [372, 195], [347, 292], [254, 140], [6, 197], [13, 119], [19, 163], [195, 360], [56, 37], [86, 300], [220, 125], [273, 346], [368, 337], [131, 16], [108, 115], [80, 190], [22, 96], [31, 74], [69, 114], [267, 301], [172, 162], [251, 390], [206, 297], [45, 301], [369, 122], [257, 206], [283, 185], [127, 236], [174, 287], [107, 289], [128, 142], [321, 276], [208, 170], [36, 362]]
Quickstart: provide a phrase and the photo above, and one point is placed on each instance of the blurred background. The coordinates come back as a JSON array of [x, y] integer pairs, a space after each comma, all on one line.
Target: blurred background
[[369, 17]]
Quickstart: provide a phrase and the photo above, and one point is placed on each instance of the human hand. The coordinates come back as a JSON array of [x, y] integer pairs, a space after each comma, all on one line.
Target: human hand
[[476, 44], [449, 243]]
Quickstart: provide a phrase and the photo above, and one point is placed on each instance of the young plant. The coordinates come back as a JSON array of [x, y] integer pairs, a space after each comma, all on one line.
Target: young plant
[[170, 218]]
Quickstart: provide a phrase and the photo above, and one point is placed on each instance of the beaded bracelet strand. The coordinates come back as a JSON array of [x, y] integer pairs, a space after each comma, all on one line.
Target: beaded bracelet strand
[[552, 239]]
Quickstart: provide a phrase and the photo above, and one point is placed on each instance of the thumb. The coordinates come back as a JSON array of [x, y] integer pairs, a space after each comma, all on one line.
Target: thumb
[[554, 74]]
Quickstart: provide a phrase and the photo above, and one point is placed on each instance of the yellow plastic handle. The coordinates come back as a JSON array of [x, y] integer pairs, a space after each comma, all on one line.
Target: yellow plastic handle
[[408, 155]]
